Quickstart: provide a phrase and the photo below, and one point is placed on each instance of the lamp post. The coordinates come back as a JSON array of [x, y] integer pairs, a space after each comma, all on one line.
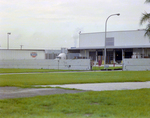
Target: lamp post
[[106, 37], [21, 47], [8, 39]]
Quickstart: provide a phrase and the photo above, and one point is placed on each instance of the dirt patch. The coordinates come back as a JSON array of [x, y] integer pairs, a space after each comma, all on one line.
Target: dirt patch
[[16, 92]]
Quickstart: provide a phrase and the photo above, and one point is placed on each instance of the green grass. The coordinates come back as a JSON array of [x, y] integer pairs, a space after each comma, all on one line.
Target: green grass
[[110, 104], [27, 80], [102, 67], [18, 70]]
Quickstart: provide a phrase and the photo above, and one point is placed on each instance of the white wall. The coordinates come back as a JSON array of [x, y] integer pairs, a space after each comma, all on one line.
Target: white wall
[[21, 54], [91, 39], [136, 64], [75, 64], [121, 38]]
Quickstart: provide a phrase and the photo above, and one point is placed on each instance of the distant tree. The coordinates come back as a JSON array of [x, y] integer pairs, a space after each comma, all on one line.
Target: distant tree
[[145, 18]]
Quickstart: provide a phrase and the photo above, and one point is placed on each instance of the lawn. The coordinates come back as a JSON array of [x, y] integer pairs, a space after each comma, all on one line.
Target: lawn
[[18, 70], [102, 67], [110, 104], [27, 80]]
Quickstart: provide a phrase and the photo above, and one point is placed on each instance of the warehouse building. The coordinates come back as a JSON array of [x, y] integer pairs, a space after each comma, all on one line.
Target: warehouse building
[[41, 59], [119, 45], [17, 54]]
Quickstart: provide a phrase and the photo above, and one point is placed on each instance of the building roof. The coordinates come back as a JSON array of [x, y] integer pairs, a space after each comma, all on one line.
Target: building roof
[[114, 31], [109, 47], [24, 49]]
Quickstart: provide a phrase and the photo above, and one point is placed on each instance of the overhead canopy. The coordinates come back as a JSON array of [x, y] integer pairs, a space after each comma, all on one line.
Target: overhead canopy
[[109, 47]]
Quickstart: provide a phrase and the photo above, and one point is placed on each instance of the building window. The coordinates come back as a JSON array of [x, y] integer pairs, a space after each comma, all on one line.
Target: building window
[[110, 41]]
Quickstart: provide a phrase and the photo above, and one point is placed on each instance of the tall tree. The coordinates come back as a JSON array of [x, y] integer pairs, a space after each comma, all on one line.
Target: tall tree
[[145, 18]]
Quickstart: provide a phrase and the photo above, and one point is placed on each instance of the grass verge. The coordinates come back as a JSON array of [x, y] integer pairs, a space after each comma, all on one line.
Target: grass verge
[[110, 104], [102, 67], [27, 80], [15, 70]]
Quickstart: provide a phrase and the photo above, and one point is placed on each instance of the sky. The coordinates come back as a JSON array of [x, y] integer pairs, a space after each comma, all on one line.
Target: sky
[[55, 24]]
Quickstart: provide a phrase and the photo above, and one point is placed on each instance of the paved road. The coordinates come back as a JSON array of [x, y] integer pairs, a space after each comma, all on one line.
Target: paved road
[[15, 92], [106, 86]]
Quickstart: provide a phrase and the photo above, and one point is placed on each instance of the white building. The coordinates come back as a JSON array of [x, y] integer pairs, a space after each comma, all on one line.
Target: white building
[[119, 45], [40, 59], [17, 54]]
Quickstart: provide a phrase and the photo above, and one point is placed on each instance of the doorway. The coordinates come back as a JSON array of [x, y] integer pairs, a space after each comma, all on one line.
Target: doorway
[[92, 56], [128, 54], [118, 56], [109, 57]]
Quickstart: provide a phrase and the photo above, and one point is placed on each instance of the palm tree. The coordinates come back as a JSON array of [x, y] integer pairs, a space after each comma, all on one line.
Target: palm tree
[[145, 18], [147, 1]]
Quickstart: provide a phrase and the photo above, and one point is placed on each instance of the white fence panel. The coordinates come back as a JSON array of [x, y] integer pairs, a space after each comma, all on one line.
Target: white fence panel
[[77, 64], [136, 64]]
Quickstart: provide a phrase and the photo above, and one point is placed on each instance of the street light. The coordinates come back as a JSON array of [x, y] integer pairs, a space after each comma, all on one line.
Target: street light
[[8, 39], [21, 46], [106, 36]]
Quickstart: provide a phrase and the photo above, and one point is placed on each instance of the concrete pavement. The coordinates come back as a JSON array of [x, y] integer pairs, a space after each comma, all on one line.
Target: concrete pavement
[[105, 86], [15, 92]]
